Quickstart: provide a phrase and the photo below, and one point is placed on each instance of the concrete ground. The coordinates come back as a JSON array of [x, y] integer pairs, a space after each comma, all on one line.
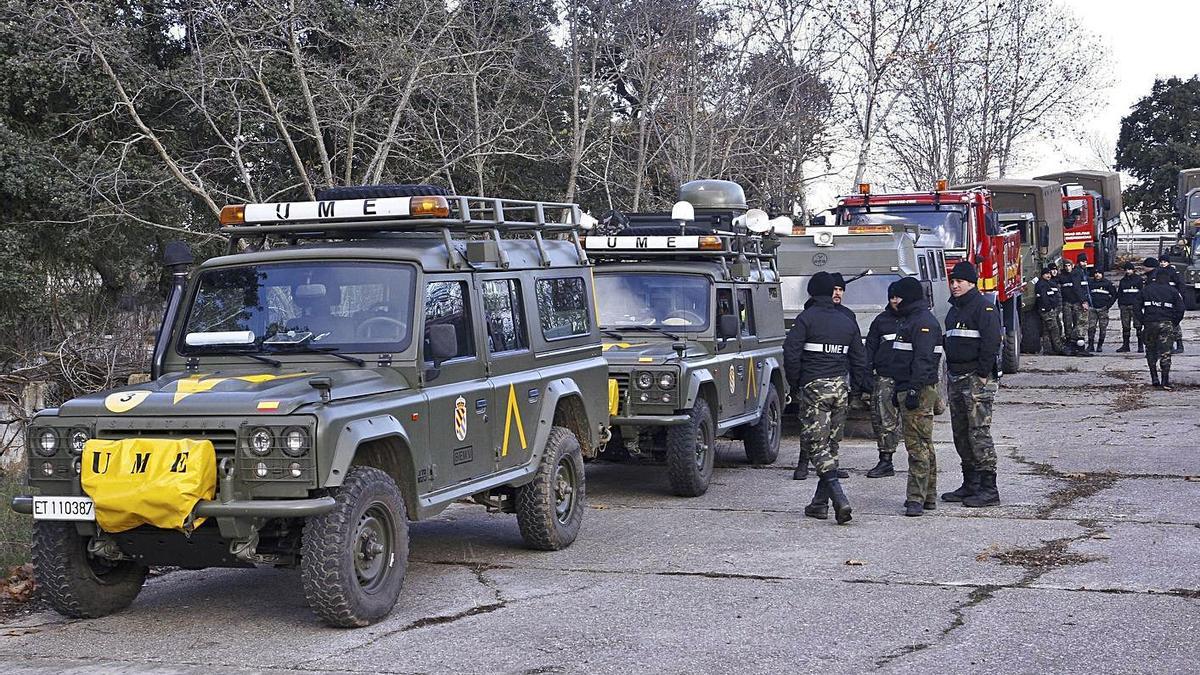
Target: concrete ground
[[1091, 564]]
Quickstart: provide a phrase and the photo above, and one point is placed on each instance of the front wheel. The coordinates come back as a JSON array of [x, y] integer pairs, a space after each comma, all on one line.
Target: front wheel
[[550, 509], [690, 450], [77, 584], [762, 438], [353, 558], [1010, 360]]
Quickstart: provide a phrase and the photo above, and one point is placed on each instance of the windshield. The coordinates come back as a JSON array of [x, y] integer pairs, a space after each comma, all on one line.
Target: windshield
[[676, 302], [343, 305], [947, 223], [866, 293]]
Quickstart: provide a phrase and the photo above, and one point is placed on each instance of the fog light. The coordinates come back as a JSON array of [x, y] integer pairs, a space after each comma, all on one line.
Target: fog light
[[296, 470], [644, 397], [260, 470], [48, 469], [78, 467], [666, 398]]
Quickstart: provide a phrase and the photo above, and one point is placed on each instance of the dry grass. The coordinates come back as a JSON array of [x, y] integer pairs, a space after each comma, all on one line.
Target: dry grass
[[15, 528]]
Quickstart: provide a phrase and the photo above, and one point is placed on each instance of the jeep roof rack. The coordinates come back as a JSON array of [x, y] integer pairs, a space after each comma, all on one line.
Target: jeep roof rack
[[491, 217]]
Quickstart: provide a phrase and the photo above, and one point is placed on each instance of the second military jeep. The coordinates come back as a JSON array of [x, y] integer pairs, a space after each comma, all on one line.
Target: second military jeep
[[354, 363], [690, 309]]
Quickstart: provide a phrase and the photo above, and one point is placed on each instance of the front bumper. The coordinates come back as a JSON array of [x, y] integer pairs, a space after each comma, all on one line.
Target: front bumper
[[245, 508], [649, 420]]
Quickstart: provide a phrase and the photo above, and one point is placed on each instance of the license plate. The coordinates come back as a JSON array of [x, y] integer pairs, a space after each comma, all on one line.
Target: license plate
[[63, 508]]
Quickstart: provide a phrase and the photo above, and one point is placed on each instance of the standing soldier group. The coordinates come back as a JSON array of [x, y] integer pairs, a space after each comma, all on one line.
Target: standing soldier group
[[824, 350]]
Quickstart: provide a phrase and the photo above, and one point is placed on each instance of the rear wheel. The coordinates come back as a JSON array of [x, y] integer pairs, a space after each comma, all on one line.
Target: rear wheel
[[690, 450], [1031, 333], [354, 557], [550, 509], [1010, 361], [77, 584], [762, 438]]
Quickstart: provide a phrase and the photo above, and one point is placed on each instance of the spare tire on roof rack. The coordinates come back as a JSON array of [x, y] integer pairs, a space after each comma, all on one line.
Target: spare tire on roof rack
[[377, 191]]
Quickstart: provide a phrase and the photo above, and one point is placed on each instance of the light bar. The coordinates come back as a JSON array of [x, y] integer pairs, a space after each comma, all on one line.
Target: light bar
[[864, 188], [650, 243], [337, 209], [869, 229]]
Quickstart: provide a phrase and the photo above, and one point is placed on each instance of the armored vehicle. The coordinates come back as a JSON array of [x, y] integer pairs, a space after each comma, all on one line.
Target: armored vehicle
[[352, 364], [690, 310]]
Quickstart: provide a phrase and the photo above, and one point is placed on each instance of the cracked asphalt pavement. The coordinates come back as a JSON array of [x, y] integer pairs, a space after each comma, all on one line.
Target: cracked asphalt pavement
[[1091, 564]]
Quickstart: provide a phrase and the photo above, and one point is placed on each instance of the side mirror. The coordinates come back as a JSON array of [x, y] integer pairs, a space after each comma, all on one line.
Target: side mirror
[[727, 326], [817, 221]]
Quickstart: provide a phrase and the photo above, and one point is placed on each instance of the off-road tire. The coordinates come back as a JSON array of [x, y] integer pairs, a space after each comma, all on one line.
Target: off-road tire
[[75, 585], [377, 191], [559, 482], [1010, 360], [762, 438], [687, 476], [368, 504], [1031, 333]]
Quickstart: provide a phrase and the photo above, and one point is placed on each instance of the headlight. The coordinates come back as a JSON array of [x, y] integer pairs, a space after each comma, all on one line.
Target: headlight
[[260, 441], [47, 443], [666, 381], [645, 380], [295, 441], [77, 438]]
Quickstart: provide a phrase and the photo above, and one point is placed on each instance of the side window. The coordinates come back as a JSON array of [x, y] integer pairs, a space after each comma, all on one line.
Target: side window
[[746, 311], [562, 307], [446, 303], [724, 301], [924, 268], [932, 265], [942, 263], [504, 314]]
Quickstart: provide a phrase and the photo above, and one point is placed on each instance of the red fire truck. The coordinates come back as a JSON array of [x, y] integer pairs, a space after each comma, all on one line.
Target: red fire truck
[[1091, 215], [971, 231]]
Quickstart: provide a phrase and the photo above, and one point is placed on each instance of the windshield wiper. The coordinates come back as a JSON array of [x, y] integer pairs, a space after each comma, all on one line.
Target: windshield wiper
[[653, 329], [309, 349], [233, 352]]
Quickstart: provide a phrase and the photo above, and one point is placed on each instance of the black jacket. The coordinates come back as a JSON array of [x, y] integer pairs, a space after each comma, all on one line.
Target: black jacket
[[1074, 287], [1103, 294], [825, 342], [880, 336], [972, 337], [1128, 289], [918, 347], [1159, 302], [1173, 274], [1046, 295]]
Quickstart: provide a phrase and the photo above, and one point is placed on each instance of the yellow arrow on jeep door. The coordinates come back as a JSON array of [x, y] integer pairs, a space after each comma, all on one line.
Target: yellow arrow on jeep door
[[510, 413]]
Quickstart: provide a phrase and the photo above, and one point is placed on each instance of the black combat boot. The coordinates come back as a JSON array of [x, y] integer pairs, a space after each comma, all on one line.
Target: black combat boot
[[1100, 344], [969, 487], [1166, 377], [930, 503], [1091, 347], [1141, 348], [1124, 345], [1153, 375], [842, 473], [819, 507], [884, 468], [913, 508], [987, 495], [801, 472], [841, 504], [1178, 347]]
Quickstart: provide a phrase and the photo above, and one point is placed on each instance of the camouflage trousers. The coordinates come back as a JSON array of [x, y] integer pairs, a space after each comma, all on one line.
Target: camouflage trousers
[[1052, 337], [971, 400], [1097, 318], [1128, 318], [1074, 322], [885, 419], [1159, 338], [823, 405], [918, 441]]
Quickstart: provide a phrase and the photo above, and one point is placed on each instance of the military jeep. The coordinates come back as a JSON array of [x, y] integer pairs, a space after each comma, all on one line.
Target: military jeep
[[690, 310], [352, 364]]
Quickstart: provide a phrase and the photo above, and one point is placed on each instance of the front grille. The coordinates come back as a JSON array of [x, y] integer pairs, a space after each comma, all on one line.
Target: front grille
[[622, 391], [224, 440]]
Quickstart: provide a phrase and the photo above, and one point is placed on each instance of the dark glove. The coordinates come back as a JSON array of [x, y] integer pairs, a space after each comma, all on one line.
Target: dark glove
[[911, 400], [895, 401]]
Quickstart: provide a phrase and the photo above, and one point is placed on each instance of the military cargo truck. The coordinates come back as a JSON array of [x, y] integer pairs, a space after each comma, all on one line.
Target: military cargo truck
[[689, 306], [1187, 202], [352, 364], [1092, 207]]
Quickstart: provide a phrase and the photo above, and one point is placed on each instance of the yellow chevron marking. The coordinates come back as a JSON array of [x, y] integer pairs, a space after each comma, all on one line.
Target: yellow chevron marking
[[510, 413]]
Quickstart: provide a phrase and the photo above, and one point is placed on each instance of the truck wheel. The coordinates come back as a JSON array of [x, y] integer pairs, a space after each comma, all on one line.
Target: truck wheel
[[690, 450], [1010, 361], [550, 509], [377, 191], [1031, 333], [762, 438], [353, 558], [76, 584]]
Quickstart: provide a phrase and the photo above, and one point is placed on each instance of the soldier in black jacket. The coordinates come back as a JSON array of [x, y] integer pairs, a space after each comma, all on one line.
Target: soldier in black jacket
[[1176, 282], [1074, 308], [885, 418], [1160, 309], [918, 349], [1127, 299], [822, 348], [1048, 302], [1102, 296], [972, 342]]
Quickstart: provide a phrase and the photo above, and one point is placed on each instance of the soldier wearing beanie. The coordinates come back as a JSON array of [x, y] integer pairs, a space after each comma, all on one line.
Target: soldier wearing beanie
[[1127, 298], [885, 418], [1048, 302], [823, 347], [1160, 309], [918, 348], [972, 342], [1176, 282], [1103, 294]]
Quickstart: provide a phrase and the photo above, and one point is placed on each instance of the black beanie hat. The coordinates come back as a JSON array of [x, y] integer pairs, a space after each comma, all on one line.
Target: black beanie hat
[[821, 285], [1150, 262], [892, 291], [1048, 269], [838, 281], [966, 271], [1082, 259], [909, 289], [1130, 266]]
